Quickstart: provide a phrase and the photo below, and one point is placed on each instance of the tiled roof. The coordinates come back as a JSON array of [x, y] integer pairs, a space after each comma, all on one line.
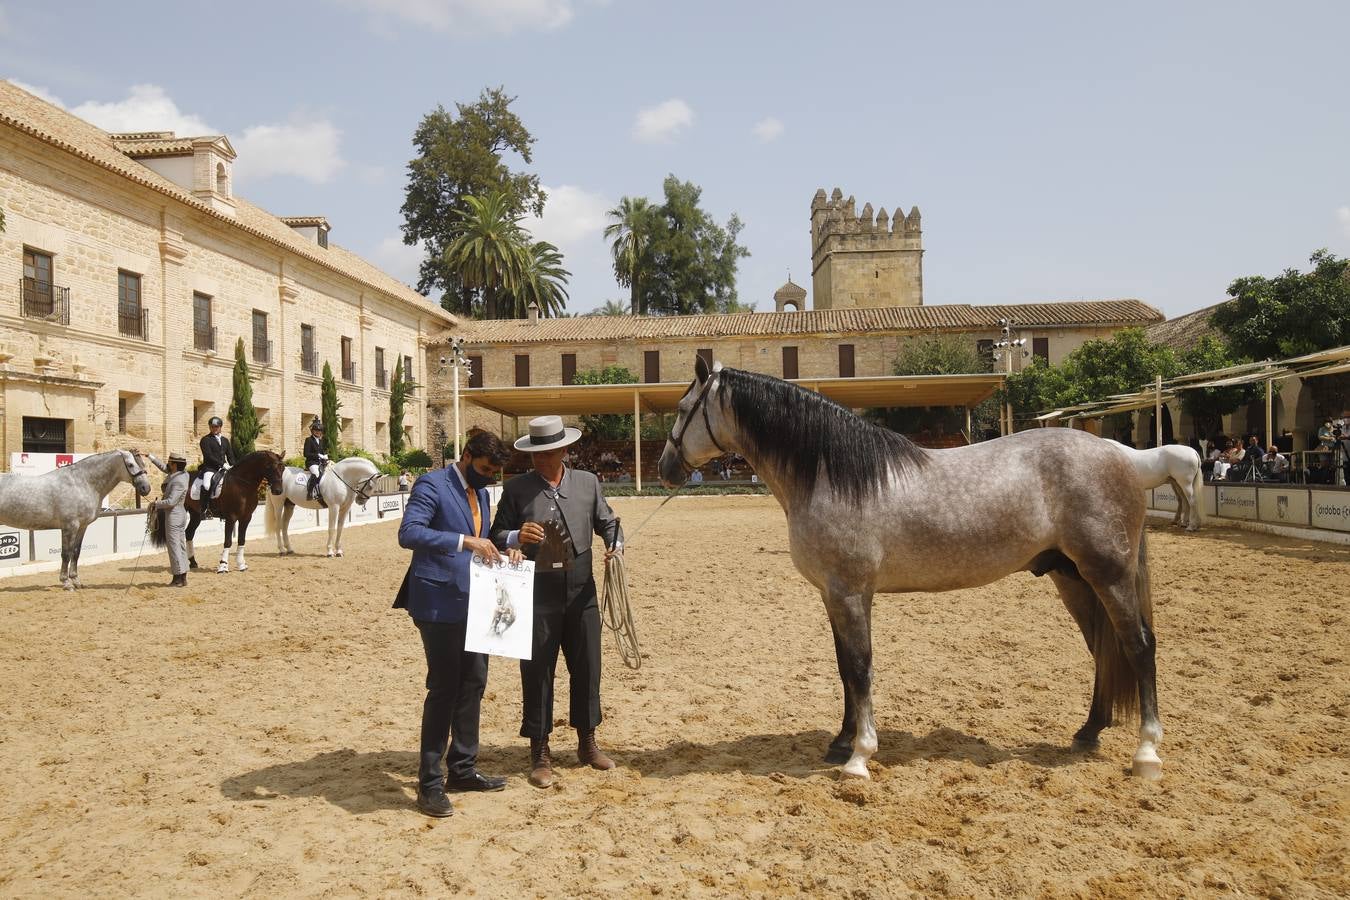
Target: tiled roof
[[53, 125], [304, 221], [955, 317], [152, 144], [1184, 332]]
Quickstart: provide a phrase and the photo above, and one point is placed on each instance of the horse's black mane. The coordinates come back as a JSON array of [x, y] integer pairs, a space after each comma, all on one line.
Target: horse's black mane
[[804, 433]]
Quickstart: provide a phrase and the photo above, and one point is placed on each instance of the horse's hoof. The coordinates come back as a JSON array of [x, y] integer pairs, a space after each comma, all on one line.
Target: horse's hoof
[[329, 554], [222, 569], [1080, 745], [1147, 766], [339, 553], [70, 586], [837, 756], [243, 568], [192, 562], [855, 769]]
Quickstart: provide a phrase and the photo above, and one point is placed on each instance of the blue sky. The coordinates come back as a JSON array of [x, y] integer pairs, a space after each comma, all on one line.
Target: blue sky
[[1057, 150]]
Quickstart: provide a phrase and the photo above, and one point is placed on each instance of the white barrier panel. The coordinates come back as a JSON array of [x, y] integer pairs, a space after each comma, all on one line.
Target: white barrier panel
[[1282, 506], [13, 547], [1330, 509], [363, 513], [1237, 502], [1211, 500], [98, 541], [209, 531], [389, 506], [1165, 497], [131, 536]]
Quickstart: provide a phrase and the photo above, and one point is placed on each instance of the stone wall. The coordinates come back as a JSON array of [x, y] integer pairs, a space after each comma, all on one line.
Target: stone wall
[[861, 260], [94, 223]]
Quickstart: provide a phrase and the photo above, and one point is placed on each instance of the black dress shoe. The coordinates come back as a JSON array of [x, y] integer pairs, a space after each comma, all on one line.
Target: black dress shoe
[[433, 802], [475, 781]]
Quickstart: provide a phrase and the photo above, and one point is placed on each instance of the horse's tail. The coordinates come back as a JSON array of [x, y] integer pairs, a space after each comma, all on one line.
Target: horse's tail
[[272, 520], [1117, 682], [1198, 496], [158, 538]]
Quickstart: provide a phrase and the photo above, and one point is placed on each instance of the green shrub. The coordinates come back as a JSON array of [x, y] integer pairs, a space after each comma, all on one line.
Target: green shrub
[[415, 460]]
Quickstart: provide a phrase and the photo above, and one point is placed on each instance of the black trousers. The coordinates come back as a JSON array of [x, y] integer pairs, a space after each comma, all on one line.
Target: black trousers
[[455, 683], [566, 616]]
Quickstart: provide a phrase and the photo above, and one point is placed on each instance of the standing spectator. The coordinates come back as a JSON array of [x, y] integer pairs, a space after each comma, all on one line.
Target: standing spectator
[[404, 481]]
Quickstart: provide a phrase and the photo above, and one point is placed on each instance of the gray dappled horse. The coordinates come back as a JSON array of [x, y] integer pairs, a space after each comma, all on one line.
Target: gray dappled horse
[[69, 499], [870, 512]]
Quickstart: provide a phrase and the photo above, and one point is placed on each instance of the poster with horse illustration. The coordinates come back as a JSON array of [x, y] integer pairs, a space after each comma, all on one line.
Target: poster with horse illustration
[[501, 609]]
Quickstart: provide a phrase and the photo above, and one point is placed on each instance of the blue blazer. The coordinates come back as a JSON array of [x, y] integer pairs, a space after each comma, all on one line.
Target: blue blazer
[[436, 586]]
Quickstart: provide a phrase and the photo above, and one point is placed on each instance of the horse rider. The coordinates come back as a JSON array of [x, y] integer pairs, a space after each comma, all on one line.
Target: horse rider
[[316, 457], [217, 457], [566, 608], [175, 515], [445, 526]]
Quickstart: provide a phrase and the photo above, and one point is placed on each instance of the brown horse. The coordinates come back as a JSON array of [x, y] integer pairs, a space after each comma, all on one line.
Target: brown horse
[[236, 503]]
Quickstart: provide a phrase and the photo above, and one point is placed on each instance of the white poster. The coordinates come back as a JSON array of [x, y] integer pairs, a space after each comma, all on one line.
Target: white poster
[[501, 609]]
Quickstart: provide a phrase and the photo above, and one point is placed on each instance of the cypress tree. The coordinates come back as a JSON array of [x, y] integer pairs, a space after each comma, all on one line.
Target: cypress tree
[[329, 411], [244, 424], [397, 395]]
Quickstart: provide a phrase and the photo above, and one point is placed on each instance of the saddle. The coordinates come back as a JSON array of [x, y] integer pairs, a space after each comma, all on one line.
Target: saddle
[[195, 489]]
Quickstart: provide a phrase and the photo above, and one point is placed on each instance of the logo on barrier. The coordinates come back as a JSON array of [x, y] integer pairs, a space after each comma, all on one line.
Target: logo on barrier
[[9, 546], [389, 504]]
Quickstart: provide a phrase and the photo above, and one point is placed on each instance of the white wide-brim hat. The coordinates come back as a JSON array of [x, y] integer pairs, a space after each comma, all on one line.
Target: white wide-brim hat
[[547, 433]]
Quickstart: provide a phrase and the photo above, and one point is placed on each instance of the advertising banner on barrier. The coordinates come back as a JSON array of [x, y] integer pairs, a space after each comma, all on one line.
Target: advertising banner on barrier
[[98, 541], [389, 505], [131, 536], [41, 463], [1283, 506], [1330, 509], [363, 513], [1165, 498], [13, 547], [1237, 502]]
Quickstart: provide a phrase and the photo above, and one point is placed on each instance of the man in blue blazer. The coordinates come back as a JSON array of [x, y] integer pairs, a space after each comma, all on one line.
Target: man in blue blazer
[[445, 525]]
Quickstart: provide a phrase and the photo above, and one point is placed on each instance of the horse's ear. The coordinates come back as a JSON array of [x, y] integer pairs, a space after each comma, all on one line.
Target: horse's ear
[[701, 371]]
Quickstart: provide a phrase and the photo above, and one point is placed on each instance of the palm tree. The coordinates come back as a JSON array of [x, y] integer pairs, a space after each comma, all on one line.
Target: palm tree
[[541, 281], [490, 251], [611, 308], [630, 232]]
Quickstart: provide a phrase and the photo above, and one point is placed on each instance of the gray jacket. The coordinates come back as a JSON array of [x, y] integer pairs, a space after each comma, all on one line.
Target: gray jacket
[[578, 505]]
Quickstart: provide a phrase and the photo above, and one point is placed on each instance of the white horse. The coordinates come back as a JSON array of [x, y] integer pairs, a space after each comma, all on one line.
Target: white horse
[[69, 499], [1177, 464], [344, 482]]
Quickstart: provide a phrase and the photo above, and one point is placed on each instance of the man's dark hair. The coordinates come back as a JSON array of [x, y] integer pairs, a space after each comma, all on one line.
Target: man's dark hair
[[485, 443]]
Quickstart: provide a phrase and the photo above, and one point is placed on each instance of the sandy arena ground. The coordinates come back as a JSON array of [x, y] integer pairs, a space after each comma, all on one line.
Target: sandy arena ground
[[256, 735]]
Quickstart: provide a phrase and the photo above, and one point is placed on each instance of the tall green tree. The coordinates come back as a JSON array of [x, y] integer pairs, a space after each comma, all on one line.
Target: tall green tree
[[460, 155], [608, 427], [1293, 314], [244, 424], [630, 229], [329, 407], [398, 396], [688, 262], [935, 354]]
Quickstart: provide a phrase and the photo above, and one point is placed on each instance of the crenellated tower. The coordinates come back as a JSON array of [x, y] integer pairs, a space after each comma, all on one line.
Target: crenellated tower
[[858, 259]]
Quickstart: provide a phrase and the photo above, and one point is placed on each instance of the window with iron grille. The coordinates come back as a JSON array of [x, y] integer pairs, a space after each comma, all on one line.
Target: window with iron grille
[[309, 360], [790, 362], [381, 377], [408, 374], [39, 298], [262, 348], [121, 415], [475, 371], [130, 315], [348, 368], [203, 333]]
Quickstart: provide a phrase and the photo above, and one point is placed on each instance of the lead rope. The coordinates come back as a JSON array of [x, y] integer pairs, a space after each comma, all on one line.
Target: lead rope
[[615, 610]]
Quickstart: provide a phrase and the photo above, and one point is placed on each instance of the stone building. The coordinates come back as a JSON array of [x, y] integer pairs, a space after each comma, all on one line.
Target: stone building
[[861, 261], [820, 343], [133, 267]]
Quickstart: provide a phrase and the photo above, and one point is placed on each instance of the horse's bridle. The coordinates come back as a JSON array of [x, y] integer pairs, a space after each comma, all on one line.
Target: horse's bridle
[[139, 470], [362, 492], [677, 440]]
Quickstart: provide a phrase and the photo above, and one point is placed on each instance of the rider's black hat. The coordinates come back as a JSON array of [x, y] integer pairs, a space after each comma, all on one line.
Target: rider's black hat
[[316, 425], [215, 420]]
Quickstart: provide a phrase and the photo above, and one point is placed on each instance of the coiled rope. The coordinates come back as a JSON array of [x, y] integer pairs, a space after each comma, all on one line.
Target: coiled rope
[[615, 610]]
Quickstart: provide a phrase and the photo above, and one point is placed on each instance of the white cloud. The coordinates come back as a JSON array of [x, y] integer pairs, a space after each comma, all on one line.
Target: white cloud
[[471, 16], [146, 108], [572, 216], [38, 91], [398, 259], [663, 121], [1343, 216], [305, 148], [769, 129]]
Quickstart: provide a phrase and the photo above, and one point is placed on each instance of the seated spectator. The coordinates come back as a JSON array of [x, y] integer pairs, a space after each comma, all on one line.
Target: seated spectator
[[1275, 465], [696, 477]]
